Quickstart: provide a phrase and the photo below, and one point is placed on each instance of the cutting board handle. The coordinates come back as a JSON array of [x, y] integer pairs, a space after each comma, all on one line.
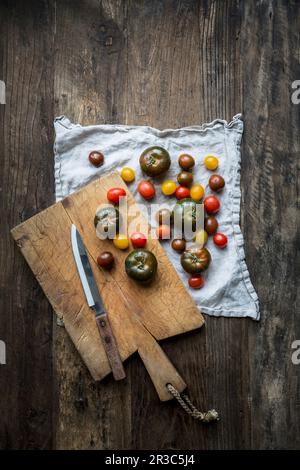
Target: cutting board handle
[[160, 368]]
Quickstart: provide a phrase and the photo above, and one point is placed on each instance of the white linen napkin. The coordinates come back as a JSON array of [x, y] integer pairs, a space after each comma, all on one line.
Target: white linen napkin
[[228, 290]]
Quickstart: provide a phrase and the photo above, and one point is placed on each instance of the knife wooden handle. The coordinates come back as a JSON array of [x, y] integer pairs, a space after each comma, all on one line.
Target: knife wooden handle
[[110, 347]]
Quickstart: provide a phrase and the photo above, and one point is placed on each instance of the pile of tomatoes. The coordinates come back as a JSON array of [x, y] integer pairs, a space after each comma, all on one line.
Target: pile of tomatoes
[[194, 260], [156, 161], [191, 259]]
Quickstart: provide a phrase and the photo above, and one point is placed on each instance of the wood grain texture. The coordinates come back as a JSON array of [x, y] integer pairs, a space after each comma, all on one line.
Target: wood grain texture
[[89, 87], [26, 66], [165, 63], [272, 146], [192, 48]]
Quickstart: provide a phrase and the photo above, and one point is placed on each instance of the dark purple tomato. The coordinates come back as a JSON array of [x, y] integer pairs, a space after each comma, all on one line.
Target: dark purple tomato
[[105, 260], [210, 224], [216, 182], [186, 161], [178, 244], [96, 158], [185, 178]]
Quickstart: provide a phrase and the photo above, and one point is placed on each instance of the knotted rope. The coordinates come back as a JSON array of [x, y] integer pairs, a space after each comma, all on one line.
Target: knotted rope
[[190, 409]]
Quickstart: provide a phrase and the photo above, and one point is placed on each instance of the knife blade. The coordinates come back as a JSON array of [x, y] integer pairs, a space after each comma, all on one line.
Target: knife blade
[[95, 302]]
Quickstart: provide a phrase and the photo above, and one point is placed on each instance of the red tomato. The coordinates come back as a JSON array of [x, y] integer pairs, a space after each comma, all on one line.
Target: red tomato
[[163, 232], [211, 204], [138, 240], [115, 194], [146, 189], [196, 281], [182, 192], [220, 240]]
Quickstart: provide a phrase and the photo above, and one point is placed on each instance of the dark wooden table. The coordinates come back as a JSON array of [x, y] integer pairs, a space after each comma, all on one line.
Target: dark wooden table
[[166, 64]]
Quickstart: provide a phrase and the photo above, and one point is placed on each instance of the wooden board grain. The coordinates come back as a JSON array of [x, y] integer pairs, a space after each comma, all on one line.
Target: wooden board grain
[[138, 314]]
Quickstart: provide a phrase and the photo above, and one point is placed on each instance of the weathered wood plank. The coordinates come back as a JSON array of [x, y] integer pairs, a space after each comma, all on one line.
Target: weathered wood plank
[[26, 187], [184, 70], [90, 87], [271, 44]]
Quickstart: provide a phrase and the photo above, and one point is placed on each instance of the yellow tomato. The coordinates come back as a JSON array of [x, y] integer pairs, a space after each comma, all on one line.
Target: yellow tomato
[[128, 174], [121, 241], [201, 237], [168, 187], [211, 162], [197, 192]]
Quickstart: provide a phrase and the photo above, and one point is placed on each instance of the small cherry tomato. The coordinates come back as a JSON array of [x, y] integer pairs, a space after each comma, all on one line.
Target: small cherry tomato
[[211, 204], [164, 217], [178, 244], [220, 240], [185, 178], [121, 242], [146, 189], [96, 158], [210, 224], [182, 192], [196, 281], [138, 240], [127, 174], [197, 192], [211, 162], [168, 187], [163, 232], [216, 182], [186, 161], [115, 194], [201, 237], [105, 260]]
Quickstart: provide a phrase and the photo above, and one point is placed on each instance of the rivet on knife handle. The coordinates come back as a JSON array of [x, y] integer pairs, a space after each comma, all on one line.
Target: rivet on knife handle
[[110, 347]]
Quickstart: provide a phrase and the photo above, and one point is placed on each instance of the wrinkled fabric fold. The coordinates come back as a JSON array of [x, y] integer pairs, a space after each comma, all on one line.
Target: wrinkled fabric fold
[[228, 290]]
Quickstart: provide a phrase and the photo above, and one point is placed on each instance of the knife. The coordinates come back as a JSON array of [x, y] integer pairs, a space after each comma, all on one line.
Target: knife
[[94, 301]]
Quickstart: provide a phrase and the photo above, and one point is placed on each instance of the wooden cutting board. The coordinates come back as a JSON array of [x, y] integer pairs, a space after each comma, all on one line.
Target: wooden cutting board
[[139, 315]]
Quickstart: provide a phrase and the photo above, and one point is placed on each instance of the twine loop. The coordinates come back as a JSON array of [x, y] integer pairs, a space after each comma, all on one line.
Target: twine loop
[[190, 409]]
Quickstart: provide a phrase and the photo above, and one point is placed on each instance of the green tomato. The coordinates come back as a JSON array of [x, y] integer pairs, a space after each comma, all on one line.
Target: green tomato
[[141, 265], [195, 260], [155, 161]]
